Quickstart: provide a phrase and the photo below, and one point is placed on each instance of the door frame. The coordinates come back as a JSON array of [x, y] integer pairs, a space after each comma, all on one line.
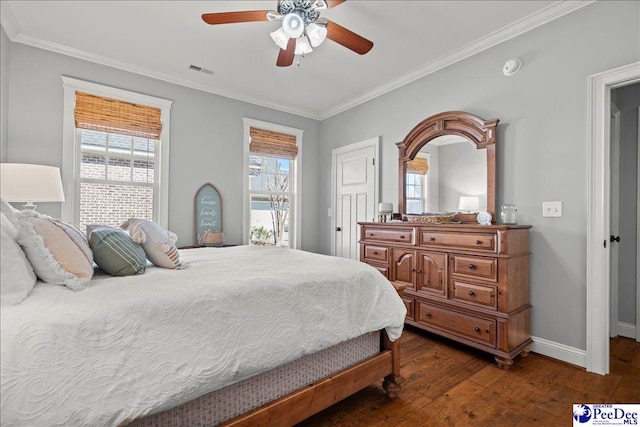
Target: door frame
[[615, 217], [638, 237], [371, 142], [598, 210]]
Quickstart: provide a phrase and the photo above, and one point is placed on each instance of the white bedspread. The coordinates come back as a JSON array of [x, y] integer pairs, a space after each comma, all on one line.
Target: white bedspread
[[130, 346]]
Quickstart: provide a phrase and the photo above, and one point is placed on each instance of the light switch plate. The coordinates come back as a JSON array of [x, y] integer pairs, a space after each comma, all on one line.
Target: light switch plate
[[552, 209]]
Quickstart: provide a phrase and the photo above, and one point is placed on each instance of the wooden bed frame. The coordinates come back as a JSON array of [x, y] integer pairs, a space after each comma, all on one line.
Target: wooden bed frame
[[309, 400], [305, 402]]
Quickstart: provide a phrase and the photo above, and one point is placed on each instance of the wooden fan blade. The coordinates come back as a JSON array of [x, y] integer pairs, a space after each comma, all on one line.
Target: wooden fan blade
[[234, 17], [334, 3], [348, 38], [285, 57]]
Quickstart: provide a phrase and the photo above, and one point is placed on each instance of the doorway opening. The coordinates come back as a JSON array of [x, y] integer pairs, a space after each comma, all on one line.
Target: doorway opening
[[599, 211]]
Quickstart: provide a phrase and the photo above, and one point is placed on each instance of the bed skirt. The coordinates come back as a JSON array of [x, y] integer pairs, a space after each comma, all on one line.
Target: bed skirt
[[224, 404]]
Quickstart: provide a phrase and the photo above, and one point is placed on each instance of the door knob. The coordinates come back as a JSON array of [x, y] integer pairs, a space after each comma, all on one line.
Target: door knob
[[614, 238], [338, 228]]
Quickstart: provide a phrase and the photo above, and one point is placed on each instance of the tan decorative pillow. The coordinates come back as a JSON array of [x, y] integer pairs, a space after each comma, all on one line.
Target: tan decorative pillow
[[58, 251], [159, 245]]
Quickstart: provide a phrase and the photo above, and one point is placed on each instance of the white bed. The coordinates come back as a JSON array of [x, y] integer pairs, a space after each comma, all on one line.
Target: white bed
[[126, 347]]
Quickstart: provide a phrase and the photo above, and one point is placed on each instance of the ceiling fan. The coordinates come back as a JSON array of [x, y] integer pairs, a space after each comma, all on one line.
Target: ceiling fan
[[302, 27]]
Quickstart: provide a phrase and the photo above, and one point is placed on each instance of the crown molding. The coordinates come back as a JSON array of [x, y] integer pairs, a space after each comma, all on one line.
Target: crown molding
[[8, 21], [515, 29], [548, 14]]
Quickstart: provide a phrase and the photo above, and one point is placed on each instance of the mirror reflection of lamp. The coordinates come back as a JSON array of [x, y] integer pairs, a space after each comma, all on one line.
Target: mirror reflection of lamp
[[384, 209], [469, 204], [21, 182]]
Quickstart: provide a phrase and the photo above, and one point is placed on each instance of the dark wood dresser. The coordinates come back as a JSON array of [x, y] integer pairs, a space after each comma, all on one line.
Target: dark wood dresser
[[466, 282]]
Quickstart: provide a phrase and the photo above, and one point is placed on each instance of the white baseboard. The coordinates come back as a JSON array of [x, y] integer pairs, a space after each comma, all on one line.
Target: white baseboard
[[559, 351], [626, 330]]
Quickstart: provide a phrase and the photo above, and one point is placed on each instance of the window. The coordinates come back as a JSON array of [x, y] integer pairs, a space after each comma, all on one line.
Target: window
[[416, 185], [113, 167], [271, 208]]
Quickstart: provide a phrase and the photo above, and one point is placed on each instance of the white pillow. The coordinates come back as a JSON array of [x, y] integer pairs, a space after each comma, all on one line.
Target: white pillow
[[16, 274], [159, 245], [58, 251]]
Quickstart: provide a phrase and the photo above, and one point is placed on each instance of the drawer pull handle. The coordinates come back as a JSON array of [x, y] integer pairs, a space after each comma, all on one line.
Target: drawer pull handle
[[370, 234], [476, 329], [427, 314], [375, 252], [478, 242], [471, 293], [402, 236], [472, 267], [432, 239]]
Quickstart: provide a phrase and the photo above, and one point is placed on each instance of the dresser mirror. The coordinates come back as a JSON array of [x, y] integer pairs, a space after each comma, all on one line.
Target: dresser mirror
[[446, 162]]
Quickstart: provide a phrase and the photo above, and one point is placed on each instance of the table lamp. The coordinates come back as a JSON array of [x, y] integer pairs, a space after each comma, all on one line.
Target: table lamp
[[384, 209], [21, 182], [469, 204]]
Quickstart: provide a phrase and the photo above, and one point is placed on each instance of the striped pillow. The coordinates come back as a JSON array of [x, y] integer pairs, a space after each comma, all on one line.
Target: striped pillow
[[114, 251]]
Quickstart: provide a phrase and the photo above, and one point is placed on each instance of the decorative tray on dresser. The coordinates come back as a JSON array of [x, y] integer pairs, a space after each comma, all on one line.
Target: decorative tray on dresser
[[466, 282]]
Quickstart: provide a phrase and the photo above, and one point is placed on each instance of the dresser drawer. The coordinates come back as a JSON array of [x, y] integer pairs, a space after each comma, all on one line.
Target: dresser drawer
[[481, 242], [474, 328], [475, 267], [482, 295], [395, 235], [383, 269], [376, 253]]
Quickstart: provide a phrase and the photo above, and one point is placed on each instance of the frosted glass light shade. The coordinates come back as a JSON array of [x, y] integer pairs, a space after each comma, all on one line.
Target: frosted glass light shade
[[385, 207], [302, 46], [317, 34], [469, 204], [21, 182], [293, 25], [281, 38]]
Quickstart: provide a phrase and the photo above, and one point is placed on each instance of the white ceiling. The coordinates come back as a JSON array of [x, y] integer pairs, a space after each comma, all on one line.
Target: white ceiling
[[162, 39]]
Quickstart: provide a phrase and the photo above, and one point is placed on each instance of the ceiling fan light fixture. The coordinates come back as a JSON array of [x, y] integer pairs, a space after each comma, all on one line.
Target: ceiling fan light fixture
[[317, 34], [293, 25], [280, 38], [302, 46]]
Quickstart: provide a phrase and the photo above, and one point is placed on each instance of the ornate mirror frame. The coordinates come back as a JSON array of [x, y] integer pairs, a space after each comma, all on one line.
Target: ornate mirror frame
[[480, 132]]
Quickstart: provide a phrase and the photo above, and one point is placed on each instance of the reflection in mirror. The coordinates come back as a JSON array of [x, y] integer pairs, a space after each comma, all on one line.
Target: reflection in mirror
[[444, 170]]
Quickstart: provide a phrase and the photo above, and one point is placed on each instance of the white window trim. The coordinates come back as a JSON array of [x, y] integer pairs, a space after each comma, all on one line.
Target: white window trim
[[295, 214], [71, 146]]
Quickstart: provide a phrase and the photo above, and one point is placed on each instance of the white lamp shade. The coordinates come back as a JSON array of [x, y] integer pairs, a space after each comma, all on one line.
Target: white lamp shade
[[20, 182], [293, 25], [385, 207], [302, 46], [280, 38], [469, 204], [317, 34]]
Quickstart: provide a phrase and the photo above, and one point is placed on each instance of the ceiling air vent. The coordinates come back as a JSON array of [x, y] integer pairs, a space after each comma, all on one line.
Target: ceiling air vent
[[200, 69]]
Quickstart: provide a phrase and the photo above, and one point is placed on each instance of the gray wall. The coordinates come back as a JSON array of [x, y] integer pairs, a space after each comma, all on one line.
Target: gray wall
[[206, 137], [542, 148], [4, 94], [627, 99]]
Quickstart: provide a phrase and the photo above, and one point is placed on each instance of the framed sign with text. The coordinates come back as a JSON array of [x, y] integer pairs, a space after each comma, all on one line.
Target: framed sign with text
[[208, 212]]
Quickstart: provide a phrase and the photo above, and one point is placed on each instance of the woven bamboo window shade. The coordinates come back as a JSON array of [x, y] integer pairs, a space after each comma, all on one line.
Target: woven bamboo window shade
[[418, 165], [114, 116], [272, 144]]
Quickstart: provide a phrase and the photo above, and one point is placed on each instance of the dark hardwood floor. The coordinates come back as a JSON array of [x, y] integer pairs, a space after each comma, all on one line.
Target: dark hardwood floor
[[447, 384]]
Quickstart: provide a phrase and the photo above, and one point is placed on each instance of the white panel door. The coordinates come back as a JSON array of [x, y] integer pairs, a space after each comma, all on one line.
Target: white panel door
[[355, 195]]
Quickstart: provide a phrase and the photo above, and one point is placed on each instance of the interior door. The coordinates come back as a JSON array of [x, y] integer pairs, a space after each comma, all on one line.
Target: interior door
[[355, 194]]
